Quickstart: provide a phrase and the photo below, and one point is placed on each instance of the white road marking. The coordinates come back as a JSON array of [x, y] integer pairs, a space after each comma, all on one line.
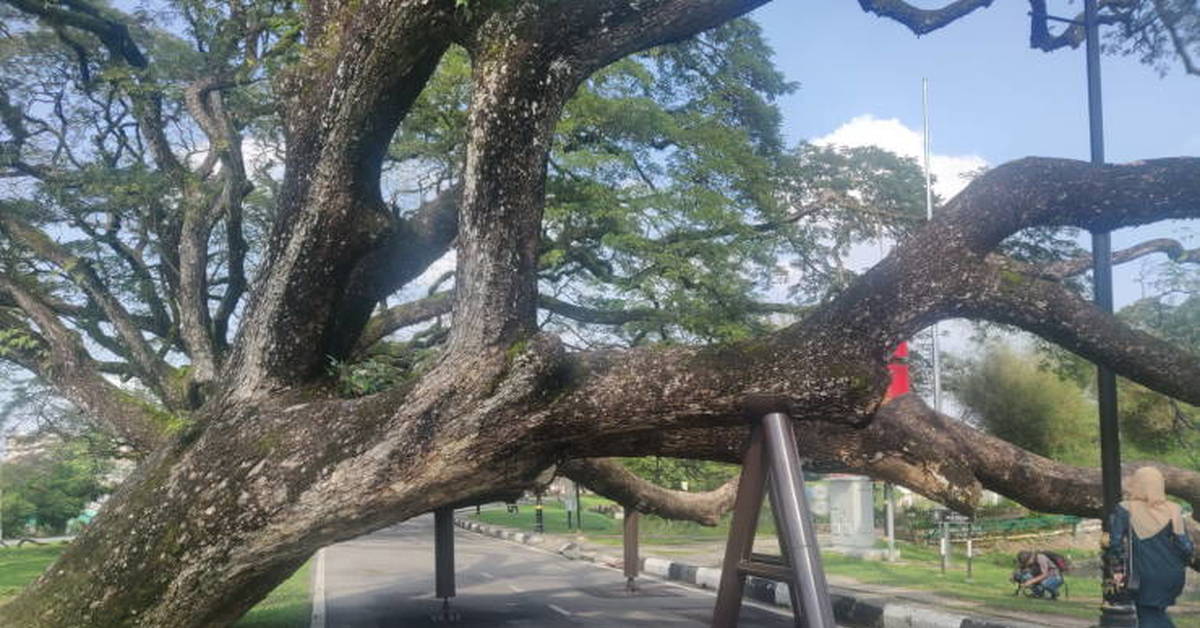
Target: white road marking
[[782, 612], [560, 610], [516, 589], [318, 591], [487, 575]]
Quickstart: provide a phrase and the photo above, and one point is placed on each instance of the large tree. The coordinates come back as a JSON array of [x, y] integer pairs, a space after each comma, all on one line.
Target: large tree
[[130, 235]]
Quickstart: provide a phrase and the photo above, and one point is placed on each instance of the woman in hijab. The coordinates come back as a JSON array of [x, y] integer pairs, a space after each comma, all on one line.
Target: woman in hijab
[[1158, 543]]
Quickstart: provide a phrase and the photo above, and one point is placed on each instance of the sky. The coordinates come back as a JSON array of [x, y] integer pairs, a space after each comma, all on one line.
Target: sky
[[992, 98]]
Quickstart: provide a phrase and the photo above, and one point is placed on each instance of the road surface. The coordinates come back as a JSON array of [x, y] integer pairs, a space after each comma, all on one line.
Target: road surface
[[385, 580]]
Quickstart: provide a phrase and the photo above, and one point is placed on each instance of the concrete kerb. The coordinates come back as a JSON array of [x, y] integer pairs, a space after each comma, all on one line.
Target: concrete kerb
[[848, 609]]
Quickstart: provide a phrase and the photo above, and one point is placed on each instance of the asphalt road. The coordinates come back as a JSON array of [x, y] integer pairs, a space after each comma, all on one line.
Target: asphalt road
[[386, 580]]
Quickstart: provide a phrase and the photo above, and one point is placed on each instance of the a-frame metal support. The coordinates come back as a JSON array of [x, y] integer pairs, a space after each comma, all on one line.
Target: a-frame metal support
[[772, 452]]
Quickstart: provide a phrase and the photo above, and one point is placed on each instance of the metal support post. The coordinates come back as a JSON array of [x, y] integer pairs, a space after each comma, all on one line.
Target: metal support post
[[632, 561], [889, 493], [539, 524], [1114, 611], [578, 509], [970, 549], [443, 559], [945, 547]]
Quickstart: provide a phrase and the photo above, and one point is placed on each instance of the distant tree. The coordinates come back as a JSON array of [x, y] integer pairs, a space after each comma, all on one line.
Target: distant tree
[[700, 475], [1009, 396], [43, 491]]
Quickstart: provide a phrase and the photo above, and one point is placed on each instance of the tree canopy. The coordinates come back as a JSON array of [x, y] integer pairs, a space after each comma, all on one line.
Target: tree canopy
[[218, 214]]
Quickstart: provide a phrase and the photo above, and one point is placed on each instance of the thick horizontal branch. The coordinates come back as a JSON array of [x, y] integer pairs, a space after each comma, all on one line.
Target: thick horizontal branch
[[612, 480], [928, 276], [910, 444], [1039, 191], [1048, 309]]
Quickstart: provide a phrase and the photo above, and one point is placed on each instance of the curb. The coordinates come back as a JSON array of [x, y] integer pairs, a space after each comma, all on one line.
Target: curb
[[849, 609]]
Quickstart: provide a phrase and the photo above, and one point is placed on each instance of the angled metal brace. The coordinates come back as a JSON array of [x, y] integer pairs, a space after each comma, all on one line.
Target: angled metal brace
[[772, 455]]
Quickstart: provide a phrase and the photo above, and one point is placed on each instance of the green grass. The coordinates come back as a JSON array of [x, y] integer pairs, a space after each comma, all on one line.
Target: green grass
[[920, 569], [19, 566], [288, 606]]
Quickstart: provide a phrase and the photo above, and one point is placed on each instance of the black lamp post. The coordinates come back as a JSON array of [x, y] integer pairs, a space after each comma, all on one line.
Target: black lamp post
[[1116, 610]]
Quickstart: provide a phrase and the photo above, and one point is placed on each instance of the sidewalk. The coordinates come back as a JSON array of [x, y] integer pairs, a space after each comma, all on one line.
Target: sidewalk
[[855, 603]]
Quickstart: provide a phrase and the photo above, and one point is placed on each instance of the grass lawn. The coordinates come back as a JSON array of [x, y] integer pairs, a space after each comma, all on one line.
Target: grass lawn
[[288, 606], [920, 569]]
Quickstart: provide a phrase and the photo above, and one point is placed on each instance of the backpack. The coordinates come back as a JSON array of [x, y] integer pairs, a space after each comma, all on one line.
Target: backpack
[[1059, 560]]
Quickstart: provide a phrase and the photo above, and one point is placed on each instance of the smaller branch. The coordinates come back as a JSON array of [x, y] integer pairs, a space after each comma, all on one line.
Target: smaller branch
[[612, 480], [921, 21], [1079, 265], [57, 356], [1075, 34], [404, 315], [1170, 21], [440, 304], [153, 370]]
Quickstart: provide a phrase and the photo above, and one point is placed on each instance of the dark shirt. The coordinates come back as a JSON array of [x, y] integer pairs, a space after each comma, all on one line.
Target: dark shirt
[[1158, 561]]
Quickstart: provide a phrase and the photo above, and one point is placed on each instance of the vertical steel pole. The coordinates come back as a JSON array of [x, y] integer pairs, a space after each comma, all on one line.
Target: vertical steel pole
[[578, 510], [443, 552], [937, 354], [945, 547], [632, 559], [970, 548], [1113, 612], [791, 507], [889, 493], [794, 592]]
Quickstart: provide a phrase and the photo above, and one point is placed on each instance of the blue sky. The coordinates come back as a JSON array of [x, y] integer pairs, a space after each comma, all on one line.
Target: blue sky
[[991, 96], [990, 93]]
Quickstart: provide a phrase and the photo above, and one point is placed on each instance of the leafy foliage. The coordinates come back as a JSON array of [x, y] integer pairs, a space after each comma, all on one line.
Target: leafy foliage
[[1010, 397], [44, 490], [673, 472]]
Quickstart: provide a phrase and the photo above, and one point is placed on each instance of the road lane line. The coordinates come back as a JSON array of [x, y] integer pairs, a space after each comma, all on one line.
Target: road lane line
[[487, 575], [560, 610], [318, 593], [516, 589], [774, 610]]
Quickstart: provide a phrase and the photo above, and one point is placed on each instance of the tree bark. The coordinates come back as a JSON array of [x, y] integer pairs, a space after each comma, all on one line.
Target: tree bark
[[274, 466]]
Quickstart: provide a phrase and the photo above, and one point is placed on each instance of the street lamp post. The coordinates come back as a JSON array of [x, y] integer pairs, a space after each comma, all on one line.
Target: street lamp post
[[1116, 610]]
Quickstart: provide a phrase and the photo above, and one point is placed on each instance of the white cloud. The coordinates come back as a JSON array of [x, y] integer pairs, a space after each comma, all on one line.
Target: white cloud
[[890, 134]]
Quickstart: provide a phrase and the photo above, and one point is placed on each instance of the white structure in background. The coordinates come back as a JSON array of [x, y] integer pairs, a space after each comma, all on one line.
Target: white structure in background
[[817, 494], [851, 513]]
